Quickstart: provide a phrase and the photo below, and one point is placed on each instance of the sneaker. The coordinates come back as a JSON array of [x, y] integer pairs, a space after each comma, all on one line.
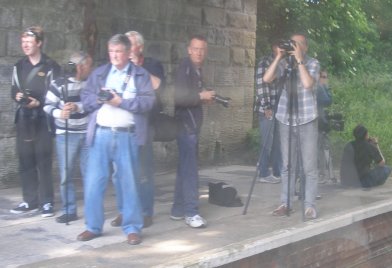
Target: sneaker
[[176, 218], [47, 210], [310, 213], [281, 211], [23, 208], [64, 218], [269, 179], [196, 221]]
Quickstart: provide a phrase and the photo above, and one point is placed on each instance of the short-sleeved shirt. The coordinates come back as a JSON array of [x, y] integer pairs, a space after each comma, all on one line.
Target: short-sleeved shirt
[[307, 101]]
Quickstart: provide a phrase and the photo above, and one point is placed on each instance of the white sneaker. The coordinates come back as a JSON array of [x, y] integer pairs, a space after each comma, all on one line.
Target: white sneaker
[[269, 179], [196, 221]]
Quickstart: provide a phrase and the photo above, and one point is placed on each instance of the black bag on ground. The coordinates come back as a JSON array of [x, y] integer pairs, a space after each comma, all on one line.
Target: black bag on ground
[[165, 127], [223, 194]]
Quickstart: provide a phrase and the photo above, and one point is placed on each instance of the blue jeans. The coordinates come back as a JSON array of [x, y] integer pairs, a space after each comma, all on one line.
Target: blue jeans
[[270, 153], [186, 193], [119, 148], [145, 179], [308, 147], [76, 148]]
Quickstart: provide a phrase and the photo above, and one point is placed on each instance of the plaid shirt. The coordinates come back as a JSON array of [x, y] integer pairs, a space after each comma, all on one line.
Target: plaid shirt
[[307, 101], [266, 92]]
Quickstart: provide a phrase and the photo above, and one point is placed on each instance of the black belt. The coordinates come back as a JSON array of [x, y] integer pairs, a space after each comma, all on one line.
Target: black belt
[[130, 129]]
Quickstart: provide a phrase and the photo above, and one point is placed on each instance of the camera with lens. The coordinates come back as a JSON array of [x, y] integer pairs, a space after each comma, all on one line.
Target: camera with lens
[[222, 100], [25, 100], [287, 45], [105, 95], [332, 122], [69, 69]]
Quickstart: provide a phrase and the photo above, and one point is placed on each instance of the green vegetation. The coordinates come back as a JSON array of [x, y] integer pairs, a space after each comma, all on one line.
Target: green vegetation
[[353, 40]]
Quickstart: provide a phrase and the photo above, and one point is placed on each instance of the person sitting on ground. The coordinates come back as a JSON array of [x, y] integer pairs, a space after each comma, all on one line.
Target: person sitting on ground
[[368, 159]]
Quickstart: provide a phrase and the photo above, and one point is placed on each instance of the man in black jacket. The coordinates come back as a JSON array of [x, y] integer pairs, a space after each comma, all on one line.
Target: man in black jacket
[[30, 79], [189, 96]]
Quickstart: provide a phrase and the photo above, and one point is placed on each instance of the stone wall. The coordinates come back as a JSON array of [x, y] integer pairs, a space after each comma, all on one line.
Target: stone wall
[[230, 28]]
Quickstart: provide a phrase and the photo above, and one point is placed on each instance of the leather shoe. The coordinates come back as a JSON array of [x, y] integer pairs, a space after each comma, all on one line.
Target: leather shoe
[[134, 239], [147, 221], [117, 221], [87, 236]]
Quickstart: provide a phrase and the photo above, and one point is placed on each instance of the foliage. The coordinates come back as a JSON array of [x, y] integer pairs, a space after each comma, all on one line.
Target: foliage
[[339, 31]]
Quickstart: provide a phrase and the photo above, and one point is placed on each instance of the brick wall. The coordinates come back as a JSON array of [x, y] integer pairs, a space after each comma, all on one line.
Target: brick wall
[[229, 25], [366, 244]]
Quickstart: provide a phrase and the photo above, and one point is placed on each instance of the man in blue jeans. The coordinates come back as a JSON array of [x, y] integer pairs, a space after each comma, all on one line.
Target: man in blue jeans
[[146, 157], [297, 109], [118, 96], [189, 96], [267, 99], [64, 105]]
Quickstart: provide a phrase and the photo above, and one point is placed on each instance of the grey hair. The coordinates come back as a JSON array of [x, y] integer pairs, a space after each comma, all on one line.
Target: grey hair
[[120, 39], [139, 37], [78, 57]]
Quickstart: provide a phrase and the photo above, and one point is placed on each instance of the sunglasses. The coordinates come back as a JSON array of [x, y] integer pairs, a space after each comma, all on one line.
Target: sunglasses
[[31, 33]]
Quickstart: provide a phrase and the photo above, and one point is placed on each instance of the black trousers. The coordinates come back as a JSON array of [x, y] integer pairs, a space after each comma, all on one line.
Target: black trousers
[[35, 146]]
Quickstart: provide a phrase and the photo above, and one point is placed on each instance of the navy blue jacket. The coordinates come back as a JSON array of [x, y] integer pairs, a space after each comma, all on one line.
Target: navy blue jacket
[[138, 106]]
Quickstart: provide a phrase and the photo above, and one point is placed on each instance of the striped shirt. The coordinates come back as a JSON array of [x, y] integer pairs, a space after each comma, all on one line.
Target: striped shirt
[[54, 103], [307, 101]]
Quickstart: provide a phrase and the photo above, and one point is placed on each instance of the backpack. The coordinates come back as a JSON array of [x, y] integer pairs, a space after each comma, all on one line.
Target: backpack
[[223, 194]]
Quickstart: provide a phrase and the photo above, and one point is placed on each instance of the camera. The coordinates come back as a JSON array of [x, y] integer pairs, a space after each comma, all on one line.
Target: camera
[[25, 99], [69, 69], [287, 45], [222, 100], [105, 95], [331, 122]]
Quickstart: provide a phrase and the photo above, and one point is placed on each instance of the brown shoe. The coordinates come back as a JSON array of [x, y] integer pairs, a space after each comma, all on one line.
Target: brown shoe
[[87, 236], [117, 221], [280, 211], [134, 239], [147, 221]]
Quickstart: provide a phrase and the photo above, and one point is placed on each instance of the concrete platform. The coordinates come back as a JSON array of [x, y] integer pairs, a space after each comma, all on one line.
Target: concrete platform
[[32, 241]]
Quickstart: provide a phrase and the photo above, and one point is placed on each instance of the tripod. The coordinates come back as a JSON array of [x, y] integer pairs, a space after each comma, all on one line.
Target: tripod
[[325, 157], [291, 89]]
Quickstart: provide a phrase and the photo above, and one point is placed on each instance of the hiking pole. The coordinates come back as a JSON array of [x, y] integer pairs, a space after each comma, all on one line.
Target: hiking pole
[[65, 99]]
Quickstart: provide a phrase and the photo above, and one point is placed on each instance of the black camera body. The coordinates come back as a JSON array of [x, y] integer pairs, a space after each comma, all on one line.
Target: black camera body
[[105, 95], [222, 100], [287, 45], [25, 99], [69, 69]]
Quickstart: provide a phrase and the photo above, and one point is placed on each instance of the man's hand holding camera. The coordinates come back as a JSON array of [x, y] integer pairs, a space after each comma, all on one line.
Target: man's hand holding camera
[[109, 96], [26, 100], [207, 96]]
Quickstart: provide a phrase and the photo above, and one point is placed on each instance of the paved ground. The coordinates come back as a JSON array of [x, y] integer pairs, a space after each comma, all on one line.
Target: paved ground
[[32, 241]]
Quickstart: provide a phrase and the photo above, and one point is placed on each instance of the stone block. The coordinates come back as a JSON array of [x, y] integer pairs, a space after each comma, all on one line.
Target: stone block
[[236, 5], [219, 54], [158, 50], [227, 76], [13, 44], [250, 7], [214, 17], [3, 43], [215, 3], [237, 56], [237, 20], [10, 17]]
